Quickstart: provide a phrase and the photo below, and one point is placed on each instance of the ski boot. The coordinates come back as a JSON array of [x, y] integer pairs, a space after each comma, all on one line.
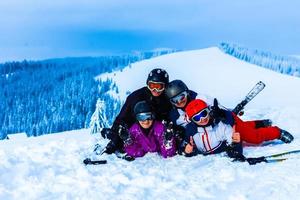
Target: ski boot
[[285, 136]]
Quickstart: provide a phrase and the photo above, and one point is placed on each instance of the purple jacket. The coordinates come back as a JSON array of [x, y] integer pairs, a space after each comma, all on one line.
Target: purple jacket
[[153, 142]]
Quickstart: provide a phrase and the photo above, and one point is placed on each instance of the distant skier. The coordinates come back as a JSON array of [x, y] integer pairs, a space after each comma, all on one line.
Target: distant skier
[[153, 94], [147, 134], [213, 130]]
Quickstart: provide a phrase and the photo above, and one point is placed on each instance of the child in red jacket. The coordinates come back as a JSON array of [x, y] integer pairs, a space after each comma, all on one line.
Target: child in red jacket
[[214, 130]]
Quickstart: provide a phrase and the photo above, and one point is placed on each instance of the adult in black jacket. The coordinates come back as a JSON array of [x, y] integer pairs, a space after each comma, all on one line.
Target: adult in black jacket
[[153, 94]]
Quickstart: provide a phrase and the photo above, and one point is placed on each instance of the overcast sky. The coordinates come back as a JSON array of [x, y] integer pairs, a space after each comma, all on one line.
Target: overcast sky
[[36, 29]]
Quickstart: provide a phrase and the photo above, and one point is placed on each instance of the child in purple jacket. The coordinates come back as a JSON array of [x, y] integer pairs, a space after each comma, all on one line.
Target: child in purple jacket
[[148, 134]]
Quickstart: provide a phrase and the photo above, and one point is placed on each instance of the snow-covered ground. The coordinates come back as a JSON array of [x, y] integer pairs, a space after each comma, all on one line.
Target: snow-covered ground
[[50, 166]]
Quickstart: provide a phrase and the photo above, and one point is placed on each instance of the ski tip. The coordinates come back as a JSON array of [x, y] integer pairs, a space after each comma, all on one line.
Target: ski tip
[[86, 161], [275, 160]]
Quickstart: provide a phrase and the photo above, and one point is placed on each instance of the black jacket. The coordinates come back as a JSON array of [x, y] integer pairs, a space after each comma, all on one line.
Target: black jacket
[[160, 105]]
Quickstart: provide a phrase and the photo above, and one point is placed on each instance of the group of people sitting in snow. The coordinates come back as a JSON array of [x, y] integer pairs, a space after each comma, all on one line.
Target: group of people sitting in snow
[[169, 118]]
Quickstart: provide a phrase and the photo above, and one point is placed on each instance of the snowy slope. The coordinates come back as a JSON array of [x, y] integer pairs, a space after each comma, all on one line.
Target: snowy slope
[[212, 72], [49, 167]]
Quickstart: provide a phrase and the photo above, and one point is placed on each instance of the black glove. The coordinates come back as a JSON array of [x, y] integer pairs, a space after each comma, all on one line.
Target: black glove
[[235, 151], [124, 134], [253, 161], [128, 158], [106, 133], [168, 134], [216, 113], [179, 134], [110, 148]]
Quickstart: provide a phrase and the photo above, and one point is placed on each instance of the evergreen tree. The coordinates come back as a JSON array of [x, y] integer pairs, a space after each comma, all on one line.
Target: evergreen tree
[[41, 97]]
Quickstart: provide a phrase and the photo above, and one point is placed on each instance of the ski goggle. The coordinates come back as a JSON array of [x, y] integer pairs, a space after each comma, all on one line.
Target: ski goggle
[[178, 98], [203, 114], [158, 86], [144, 116]]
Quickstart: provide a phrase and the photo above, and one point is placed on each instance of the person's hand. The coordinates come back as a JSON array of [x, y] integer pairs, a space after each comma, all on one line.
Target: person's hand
[[169, 133], [106, 133], [124, 134], [236, 137], [189, 148], [216, 113], [214, 109]]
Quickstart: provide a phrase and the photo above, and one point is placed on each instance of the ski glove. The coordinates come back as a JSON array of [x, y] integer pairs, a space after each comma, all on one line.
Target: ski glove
[[124, 135], [254, 161], [110, 148], [235, 151], [168, 134], [106, 133], [216, 113]]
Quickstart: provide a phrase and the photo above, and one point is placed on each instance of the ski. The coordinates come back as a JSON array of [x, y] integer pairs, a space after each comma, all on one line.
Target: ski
[[282, 154], [253, 92], [271, 158], [268, 160], [88, 161], [98, 151]]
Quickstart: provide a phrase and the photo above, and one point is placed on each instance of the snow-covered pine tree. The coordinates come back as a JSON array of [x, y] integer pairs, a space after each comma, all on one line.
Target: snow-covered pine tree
[[99, 119]]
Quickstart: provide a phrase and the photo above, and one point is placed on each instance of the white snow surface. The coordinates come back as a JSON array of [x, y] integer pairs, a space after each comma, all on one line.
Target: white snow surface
[[50, 166]]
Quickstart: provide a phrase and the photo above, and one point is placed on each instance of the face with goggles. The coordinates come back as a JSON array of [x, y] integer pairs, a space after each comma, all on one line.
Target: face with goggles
[[145, 119], [156, 88], [180, 100], [201, 118]]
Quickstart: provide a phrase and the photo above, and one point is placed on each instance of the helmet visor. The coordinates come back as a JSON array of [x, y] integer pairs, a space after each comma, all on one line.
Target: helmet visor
[[158, 86], [178, 98], [203, 114], [144, 116]]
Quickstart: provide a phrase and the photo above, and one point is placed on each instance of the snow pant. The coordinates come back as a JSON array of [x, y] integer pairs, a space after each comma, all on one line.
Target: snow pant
[[253, 135]]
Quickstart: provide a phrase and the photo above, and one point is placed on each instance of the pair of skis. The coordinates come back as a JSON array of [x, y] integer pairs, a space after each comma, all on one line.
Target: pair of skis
[[239, 111]]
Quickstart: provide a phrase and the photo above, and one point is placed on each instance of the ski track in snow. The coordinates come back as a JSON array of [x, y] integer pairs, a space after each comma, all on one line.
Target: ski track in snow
[[50, 167]]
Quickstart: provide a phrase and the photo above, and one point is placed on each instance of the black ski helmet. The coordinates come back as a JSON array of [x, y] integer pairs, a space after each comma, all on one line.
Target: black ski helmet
[[175, 87], [142, 107], [158, 75]]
